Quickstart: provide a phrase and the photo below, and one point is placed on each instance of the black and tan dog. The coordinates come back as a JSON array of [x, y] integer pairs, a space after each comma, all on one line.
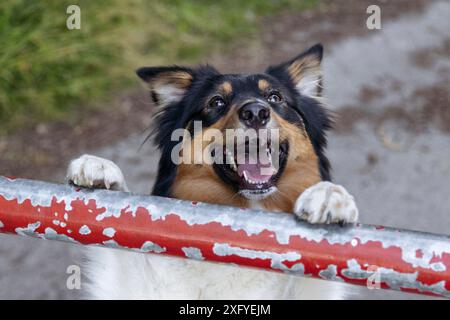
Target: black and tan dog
[[285, 98]]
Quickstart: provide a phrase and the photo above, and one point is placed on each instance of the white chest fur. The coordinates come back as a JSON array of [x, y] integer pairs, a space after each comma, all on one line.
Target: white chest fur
[[116, 274]]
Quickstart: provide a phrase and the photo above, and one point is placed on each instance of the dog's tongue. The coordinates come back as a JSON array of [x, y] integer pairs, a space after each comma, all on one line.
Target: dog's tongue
[[255, 170]]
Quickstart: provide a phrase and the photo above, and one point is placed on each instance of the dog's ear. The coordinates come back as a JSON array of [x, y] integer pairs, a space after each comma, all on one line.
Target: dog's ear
[[167, 84], [303, 71]]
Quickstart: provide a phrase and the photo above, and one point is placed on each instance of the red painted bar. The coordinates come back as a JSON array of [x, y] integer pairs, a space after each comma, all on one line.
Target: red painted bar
[[401, 259]]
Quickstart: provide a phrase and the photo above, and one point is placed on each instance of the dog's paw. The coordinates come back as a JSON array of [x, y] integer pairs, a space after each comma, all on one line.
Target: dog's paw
[[326, 202], [94, 172]]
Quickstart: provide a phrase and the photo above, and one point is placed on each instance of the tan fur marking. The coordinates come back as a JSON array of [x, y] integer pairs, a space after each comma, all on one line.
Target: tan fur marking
[[202, 184], [309, 64], [179, 78], [226, 87], [263, 84]]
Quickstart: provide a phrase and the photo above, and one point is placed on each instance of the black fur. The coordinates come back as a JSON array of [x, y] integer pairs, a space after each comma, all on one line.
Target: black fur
[[298, 109]]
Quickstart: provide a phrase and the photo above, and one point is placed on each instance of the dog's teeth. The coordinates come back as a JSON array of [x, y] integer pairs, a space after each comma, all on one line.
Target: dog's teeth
[[246, 176]]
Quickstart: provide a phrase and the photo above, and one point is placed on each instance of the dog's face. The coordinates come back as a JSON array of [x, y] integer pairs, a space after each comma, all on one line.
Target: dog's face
[[277, 113]]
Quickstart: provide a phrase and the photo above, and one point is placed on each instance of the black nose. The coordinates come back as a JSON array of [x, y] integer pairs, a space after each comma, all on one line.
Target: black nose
[[254, 114]]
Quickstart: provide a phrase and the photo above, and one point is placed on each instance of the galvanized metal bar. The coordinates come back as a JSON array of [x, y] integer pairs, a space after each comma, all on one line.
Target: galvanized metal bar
[[400, 259]]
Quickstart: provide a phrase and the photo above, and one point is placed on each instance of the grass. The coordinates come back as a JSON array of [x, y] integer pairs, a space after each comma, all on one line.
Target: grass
[[47, 71]]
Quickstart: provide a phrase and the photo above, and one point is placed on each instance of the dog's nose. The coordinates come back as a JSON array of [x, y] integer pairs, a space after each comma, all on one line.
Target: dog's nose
[[254, 114]]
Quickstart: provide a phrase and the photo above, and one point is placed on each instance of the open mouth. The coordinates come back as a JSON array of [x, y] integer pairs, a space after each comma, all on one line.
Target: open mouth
[[253, 168]]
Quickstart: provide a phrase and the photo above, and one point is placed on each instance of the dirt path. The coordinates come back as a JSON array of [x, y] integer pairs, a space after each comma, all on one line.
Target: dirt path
[[389, 89]]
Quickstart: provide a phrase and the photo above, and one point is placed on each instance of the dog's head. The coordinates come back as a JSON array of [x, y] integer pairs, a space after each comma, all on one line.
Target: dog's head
[[225, 169]]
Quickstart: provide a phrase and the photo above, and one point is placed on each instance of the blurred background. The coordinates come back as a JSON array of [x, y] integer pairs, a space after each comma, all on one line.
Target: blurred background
[[68, 92]]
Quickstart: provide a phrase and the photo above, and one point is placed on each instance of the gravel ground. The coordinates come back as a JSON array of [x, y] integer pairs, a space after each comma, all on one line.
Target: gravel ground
[[390, 91]]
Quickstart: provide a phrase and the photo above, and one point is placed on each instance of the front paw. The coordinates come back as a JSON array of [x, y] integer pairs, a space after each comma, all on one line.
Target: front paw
[[326, 202], [94, 172]]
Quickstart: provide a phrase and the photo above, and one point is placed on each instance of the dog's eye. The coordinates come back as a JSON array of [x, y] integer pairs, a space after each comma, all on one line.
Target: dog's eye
[[274, 97], [217, 102]]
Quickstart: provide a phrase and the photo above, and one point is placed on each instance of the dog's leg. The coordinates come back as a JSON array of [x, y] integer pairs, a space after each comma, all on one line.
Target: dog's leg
[[326, 202], [94, 172]]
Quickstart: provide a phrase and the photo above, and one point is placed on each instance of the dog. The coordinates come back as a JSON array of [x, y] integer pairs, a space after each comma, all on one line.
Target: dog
[[286, 98]]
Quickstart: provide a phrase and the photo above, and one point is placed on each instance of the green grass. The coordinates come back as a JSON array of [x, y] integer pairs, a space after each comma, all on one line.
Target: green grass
[[47, 70]]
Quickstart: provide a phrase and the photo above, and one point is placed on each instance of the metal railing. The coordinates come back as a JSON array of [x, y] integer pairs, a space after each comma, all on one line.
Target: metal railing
[[367, 255]]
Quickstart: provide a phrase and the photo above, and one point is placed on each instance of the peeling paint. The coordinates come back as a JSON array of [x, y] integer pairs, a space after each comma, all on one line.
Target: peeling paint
[[149, 246], [84, 230], [112, 244], [438, 266], [109, 232], [29, 230], [51, 234], [393, 279], [193, 253], [406, 260], [330, 273], [276, 259]]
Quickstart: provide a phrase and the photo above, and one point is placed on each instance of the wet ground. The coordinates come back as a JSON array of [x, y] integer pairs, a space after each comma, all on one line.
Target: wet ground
[[390, 91]]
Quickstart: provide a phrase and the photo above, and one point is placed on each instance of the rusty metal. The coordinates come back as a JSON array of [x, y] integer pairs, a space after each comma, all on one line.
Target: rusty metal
[[402, 260]]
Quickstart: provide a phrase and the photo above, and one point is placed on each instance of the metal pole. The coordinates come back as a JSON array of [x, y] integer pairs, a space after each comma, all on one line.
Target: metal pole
[[400, 259]]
